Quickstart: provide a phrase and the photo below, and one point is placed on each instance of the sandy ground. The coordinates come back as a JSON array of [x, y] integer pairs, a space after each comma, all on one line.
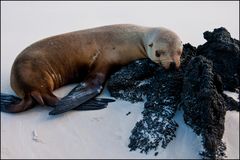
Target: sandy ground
[[103, 133], [97, 134]]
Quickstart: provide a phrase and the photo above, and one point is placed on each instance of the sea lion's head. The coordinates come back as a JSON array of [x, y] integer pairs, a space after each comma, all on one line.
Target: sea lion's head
[[165, 48]]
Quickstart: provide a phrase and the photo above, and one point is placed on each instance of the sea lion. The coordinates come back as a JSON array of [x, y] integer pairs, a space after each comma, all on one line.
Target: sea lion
[[86, 56]]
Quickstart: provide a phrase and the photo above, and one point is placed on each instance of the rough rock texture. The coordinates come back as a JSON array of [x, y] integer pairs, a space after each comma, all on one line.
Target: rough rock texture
[[157, 126], [189, 52], [223, 51], [203, 105], [160, 88], [231, 104], [197, 88], [131, 83]]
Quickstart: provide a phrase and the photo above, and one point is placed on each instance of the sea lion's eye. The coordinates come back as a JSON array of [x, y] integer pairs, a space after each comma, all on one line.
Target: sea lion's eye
[[158, 53], [150, 45]]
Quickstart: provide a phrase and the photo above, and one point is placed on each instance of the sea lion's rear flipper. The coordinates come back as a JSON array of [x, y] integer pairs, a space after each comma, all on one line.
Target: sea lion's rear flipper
[[7, 100], [13, 104], [94, 104]]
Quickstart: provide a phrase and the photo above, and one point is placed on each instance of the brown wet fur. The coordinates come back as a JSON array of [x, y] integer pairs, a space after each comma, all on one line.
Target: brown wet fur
[[73, 57]]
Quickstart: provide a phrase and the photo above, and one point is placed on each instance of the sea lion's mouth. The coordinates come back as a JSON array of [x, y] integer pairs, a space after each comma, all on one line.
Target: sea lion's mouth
[[170, 66], [160, 64], [163, 65]]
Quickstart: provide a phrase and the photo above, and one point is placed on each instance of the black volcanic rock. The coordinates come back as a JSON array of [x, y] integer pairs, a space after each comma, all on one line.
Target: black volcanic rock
[[203, 105], [131, 83], [141, 80], [189, 52], [197, 87], [223, 51], [157, 126]]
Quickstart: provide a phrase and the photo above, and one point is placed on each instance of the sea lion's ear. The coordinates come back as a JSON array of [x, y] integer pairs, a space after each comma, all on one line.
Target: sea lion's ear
[[150, 45]]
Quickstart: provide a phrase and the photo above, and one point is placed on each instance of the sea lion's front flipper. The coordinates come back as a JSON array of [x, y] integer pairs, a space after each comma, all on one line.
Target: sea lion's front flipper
[[94, 104], [76, 97], [83, 92]]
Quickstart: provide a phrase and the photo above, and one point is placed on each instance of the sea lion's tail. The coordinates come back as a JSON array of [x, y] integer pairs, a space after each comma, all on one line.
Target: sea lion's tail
[[14, 104]]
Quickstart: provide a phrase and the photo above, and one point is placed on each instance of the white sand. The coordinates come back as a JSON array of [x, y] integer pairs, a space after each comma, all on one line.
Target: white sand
[[103, 133]]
